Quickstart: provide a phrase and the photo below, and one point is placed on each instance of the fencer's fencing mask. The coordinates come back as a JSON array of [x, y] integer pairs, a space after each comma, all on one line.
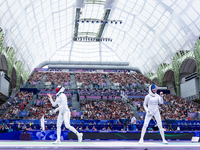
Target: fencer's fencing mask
[[59, 90], [152, 90]]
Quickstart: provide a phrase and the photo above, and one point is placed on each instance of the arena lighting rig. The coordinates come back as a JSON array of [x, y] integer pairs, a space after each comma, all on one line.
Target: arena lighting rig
[[99, 21], [82, 22], [92, 39]]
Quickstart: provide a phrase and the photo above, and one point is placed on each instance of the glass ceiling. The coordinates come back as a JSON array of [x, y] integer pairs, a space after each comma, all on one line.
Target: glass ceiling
[[152, 31]]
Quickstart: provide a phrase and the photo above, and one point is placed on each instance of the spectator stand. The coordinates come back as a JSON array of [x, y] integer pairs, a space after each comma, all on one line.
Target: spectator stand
[[17, 104], [34, 79], [6, 104]]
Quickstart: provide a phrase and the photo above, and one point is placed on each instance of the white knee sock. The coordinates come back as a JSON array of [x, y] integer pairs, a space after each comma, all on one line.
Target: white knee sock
[[162, 133], [58, 133], [143, 132]]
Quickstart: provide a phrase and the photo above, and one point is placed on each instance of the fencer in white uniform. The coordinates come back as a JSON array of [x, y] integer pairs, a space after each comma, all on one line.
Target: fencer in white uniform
[[152, 100], [42, 121], [64, 113]]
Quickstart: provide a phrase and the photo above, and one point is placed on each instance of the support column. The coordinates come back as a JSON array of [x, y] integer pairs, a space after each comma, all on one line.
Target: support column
[[176, 66], [1, 40], [9, 53], [18, 67], [160, 74], [25, 76]]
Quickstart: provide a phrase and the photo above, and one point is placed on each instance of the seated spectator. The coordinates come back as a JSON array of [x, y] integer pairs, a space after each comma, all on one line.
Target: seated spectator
[[150, 128], [126, 128], [10, 129], [46, 128], [87, 129], [18, 127], [6, 127], [81, 129], [108, 129], [53, 128], [104, 129], [2, 129], [24, 128], [164, 128], [94, 129]]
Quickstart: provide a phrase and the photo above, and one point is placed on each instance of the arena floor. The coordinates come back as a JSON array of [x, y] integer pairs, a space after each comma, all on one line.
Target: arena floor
[[152, 145]]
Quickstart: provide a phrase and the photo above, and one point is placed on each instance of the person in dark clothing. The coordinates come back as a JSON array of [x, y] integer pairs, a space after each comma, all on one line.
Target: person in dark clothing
[[2, 129], [24, 128], [18, 128]]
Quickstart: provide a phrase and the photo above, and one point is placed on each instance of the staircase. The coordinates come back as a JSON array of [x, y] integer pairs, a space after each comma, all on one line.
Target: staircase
[[27, 106], [108, 82], [140, 87], [30, 103], [72, 82], [133, 108], [41, 84], [75, 103]]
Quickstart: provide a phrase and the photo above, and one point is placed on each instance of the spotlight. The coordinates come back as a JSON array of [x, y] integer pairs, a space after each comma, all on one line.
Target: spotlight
[[115, 22], [120, 22], [92, 21], [111, 22], [97, 21], [82, 21], [87, 21], [101, 22], [77, 21]]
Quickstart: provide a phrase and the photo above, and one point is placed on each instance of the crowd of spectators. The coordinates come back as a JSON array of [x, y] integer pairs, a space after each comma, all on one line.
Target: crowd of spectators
[[18, 103], [57, 78], [124, 79], [36, 77], [99, 92], [141, 78], [178, 108], [104, 110], [96, 79]]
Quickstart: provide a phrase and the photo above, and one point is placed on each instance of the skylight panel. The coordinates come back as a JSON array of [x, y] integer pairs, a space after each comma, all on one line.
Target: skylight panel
[[91, 11]]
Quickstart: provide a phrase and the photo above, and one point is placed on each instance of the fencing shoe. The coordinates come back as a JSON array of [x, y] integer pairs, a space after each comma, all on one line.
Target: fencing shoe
[[165, 142], [80, 137], [141, 141], [57, 142]]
